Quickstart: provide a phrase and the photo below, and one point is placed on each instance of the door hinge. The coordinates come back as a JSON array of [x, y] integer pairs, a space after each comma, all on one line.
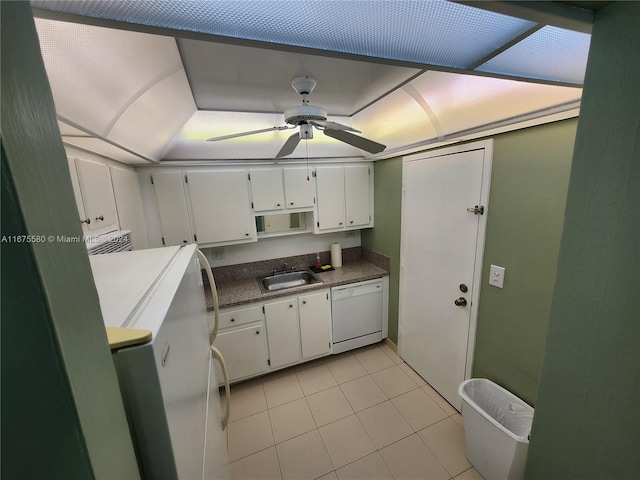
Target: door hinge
[[477, 210], [263, 311], [195, 238], [252, 205], [318, 223], [186, 180], [151, 178], [249, 176], [313, 173], [269, 361], [163, 240], [327, 296]]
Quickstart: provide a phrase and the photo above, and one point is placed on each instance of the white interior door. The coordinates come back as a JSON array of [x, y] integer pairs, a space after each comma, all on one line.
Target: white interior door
[[441, 257]]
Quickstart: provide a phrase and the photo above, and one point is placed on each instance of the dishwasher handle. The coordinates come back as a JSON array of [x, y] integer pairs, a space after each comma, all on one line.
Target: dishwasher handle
[[349, 291]]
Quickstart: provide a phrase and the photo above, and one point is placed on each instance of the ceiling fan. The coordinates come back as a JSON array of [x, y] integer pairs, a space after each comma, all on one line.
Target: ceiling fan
[[308, 117]]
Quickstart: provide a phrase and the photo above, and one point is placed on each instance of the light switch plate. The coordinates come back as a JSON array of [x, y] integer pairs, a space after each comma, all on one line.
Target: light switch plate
[[496, 276]]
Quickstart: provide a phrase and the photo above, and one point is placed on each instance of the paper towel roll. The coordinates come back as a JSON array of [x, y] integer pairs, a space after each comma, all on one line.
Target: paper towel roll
[[336, 255]]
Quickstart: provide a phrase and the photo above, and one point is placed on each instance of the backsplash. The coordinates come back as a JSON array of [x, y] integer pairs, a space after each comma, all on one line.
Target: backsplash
[[253, 269]]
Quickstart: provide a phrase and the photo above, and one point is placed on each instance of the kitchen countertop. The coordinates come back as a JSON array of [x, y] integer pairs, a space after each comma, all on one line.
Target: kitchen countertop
[[246, 290]]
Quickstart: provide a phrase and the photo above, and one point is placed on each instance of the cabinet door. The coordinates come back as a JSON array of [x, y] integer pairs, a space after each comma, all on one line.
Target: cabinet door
[[330, 187], [129, 204], [220, 206], [172, 207], [315, 324], [283, 333], [97, 196], [244, 351], [267, 190], [357, 195], [299, 188]]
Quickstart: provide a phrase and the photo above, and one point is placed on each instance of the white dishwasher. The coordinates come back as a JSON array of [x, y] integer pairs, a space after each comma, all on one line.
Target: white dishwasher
[[356, 311]]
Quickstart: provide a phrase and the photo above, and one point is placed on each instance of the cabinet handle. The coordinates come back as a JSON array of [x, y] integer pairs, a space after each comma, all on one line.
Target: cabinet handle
[[86, 220], [101, 218]]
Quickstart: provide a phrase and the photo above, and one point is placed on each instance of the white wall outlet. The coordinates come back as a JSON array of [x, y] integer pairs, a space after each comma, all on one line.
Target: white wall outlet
[[217, 253], [496, 276]]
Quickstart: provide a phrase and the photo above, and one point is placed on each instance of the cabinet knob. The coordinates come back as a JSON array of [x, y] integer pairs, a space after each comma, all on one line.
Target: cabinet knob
[[351, 221], [304, 302], [290, 306], [86, 220], [257, 332], [277, 204], [101, 218], [233, 320], [246, 234], [340, 223], [184, 241], [291, 203]]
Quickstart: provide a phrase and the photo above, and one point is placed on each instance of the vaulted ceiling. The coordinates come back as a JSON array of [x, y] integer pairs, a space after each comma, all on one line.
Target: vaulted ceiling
[[146, 82]]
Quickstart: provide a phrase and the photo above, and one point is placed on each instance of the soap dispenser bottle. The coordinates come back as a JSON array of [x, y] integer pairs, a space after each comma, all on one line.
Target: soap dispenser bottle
[[318, 264]]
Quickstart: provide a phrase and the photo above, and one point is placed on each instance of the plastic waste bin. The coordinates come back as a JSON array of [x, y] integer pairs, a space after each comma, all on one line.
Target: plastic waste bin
[[496, 426]]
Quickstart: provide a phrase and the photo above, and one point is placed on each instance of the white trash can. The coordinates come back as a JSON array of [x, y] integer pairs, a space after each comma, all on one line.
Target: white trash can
[[496, 426]]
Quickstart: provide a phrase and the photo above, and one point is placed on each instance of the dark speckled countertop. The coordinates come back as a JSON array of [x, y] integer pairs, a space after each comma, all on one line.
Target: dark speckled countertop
[[236, 290]]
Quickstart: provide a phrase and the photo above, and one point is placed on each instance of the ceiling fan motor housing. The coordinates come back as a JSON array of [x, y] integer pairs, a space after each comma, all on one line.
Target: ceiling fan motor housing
[[304, 113]]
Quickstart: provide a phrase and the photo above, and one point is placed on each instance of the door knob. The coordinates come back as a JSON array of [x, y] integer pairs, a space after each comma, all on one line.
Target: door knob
[[461, 302]]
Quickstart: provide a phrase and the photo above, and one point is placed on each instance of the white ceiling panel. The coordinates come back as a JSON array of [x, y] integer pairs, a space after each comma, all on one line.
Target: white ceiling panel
[[95, 72], [261, 81], [461, 102], [156, 117]]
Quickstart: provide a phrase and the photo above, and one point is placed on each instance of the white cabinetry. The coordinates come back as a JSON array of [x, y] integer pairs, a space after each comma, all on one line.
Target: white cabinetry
[[344, 197], [299, 187], [283, 332], [172, 207], [315, 324], [98, 209], [242, 341], [129, 204], [220, 206], [298, 328], [267, 189], [290, 188]]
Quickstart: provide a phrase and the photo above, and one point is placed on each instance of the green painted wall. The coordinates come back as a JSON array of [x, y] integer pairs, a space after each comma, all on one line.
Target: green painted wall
[[528, 191], [384, 238], [57, 320], [587, 420], [529, 181]]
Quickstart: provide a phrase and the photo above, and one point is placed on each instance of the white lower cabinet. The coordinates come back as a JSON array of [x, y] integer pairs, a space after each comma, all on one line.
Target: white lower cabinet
[[315, 324], [283, 332], [243, 342], [267, 336]]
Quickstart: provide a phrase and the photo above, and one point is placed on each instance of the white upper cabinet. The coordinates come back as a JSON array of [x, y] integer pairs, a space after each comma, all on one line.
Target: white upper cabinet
[[221, 207], [357, 187], [129, 204], [172, 207], [267, 189], [345, 197], [98, 201], [299, 187], [330, 186]]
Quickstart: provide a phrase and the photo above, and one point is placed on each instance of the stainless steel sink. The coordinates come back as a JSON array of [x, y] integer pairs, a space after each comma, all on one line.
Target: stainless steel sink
[[285, 280]]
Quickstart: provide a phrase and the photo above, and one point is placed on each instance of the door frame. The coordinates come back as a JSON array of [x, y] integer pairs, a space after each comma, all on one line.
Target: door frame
[[487, 146]]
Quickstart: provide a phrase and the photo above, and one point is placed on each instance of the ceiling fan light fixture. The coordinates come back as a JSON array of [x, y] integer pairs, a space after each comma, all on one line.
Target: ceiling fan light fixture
[[304, 113]]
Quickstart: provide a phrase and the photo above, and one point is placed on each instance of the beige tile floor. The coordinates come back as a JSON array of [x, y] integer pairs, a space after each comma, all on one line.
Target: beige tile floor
[[363, 414]]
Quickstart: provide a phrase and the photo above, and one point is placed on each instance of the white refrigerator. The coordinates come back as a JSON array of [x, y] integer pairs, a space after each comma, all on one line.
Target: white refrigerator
[[168, 384]]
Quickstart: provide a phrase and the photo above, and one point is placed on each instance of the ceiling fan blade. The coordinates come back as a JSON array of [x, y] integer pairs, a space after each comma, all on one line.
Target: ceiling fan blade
[[252, 132], [289, 146], [333, 125], [358, 142]]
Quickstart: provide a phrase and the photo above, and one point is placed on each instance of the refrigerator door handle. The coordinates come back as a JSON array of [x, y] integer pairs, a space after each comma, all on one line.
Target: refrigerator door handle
[[218, 355], [213, 333]]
